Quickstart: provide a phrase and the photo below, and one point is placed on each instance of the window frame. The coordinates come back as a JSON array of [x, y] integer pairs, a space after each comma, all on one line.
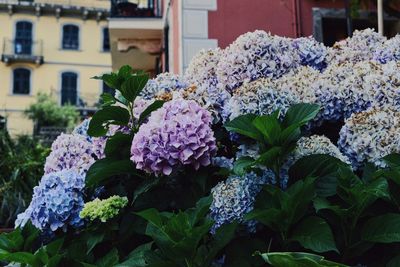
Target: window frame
[[12, 83], [78, 27], [77, 86]]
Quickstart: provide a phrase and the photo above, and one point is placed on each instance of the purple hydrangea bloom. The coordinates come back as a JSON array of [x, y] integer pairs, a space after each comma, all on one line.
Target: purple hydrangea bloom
[[179, 133], [256, 55], [70, 151], [312, 53], [163, 83], [56, 202], [235, 197]]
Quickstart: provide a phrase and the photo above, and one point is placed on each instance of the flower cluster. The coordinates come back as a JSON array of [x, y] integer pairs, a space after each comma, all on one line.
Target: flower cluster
[[163, 83], [316, 144], [255, 55], [179, 133], [312, 53], [370, 135], [201, 72], [82, 129], [56, 202], [70, 151], [103, 210], [361, 46], [234, 198], [388, 51]]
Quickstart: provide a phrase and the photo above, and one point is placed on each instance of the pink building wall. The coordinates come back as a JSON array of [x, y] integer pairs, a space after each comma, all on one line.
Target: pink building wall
[[235, 17]]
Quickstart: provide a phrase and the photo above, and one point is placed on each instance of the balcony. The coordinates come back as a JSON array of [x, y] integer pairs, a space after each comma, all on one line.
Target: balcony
[[136, 30], [26, 51]]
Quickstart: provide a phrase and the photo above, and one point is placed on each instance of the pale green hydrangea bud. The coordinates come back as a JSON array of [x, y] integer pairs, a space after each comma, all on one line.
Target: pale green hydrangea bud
[[103, 209]]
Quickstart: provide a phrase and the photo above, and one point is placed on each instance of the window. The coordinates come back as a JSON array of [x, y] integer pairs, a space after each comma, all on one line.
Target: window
[[69, 93], [70, 37], [108, 89], [21, 81], [23, 38], [106, 40]]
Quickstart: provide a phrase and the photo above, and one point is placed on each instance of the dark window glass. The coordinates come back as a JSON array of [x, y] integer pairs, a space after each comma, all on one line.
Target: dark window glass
[[22, 81], [69, 94], [106, 40], [23, 38], [108, 89], [70, 37]]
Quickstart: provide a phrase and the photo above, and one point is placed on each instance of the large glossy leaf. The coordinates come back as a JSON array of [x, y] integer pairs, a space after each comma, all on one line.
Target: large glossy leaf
[[269, 157], [133, 85], [393, 160], [300, 114], [315, 234], [105, 168], [19, 257], [298, 259], [244, 125], [118, 146], [242, 164], [93, 240], [269, 126], [110, 259], [98, 125], [382, 229]]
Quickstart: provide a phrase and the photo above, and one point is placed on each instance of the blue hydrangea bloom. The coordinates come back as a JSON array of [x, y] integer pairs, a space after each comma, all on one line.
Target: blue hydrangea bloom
[[56, 202], [163, 83], [234, 198], [312, 53]]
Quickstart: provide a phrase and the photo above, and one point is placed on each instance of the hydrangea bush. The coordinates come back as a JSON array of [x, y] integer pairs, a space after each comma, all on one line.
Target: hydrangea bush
[[275, 145]]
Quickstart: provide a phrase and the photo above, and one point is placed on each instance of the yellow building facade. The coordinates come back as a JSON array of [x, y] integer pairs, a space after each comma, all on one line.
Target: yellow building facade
[[53, 47]]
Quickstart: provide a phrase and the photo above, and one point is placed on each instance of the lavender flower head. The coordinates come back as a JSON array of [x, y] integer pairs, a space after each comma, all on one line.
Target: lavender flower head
[[56, 202], [370, 135], [163, 83], [70, 151], [234, 198], [177, 134], [312, 53], [389, 50], [255, 55]]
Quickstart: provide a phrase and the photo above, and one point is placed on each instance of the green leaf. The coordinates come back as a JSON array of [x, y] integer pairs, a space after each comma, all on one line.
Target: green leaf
[[107, 99], [300, 114], [109, 260], [244, 125], [105, 168], [151, 215], [315, 234], [118, 146], [242, 164], [382, 229], [98, 125], [133, 85], [221, 238], [138, 257], [298, 259], [19, 257], [270, 157], [125, 72], [393, 160], [154, 106], [111, 79], [54, 247], [269, 127], [145, 186], [93, 240], [394, 262]]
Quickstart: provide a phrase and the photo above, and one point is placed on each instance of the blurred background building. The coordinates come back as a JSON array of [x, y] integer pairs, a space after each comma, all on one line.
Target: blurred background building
[[55, 46]]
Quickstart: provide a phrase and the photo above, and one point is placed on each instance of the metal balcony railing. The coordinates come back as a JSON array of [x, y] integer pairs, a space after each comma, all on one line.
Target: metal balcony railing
[[136, 8], [22, 50], [104, 4]]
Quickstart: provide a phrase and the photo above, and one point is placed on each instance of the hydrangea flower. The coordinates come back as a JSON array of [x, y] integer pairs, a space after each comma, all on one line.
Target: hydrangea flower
[[361, 46], [56, 202], [70, 151], [312, 53], [370, 135], [389, 50], [179, 133], [103, 210], [139, 106], [163, 83], [234, 198], [259, 97], [255, 55], [316, 144]]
